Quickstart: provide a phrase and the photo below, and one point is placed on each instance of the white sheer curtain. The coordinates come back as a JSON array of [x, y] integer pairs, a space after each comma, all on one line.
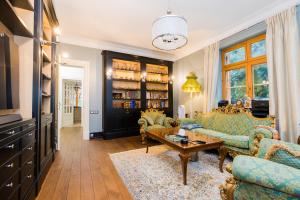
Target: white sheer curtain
[[283, 54], [211, 71]]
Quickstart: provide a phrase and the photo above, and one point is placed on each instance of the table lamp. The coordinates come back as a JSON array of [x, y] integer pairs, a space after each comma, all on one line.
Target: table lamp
[[191, 86]]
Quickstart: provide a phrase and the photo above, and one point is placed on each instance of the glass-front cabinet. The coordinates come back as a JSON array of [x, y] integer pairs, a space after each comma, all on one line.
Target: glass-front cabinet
[[133, 84], [157, 81], [126, 84]]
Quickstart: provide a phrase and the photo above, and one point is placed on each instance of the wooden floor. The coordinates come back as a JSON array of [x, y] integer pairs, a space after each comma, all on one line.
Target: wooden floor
[[83, 169]]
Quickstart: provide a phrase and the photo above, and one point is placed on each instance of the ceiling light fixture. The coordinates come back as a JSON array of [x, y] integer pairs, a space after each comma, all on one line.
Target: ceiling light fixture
[[169, 32]]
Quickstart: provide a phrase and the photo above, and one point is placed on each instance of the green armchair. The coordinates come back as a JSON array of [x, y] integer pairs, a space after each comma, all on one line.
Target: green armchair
[[153, 119], [273, 174]]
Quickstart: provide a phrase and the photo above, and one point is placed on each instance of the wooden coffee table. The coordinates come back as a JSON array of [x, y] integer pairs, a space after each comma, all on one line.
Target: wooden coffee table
[[185, 150]]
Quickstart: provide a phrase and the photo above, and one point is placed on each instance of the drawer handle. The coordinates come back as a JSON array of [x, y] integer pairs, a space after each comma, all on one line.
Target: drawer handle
[[11, 132], [29, 163], [12, 146], [29, 176], [11, 165], [11, 184], [29, 148]]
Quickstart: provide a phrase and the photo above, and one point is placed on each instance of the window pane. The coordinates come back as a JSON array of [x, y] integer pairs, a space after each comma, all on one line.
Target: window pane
[[236, 84], [260, 81], [237, 77], [237, 93], [258, 48], [235, 56], [261, 92]]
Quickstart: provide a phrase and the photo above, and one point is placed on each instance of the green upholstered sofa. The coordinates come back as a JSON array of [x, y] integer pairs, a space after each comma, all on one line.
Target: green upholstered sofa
[[273, 174], [240, 131], [153, 119]]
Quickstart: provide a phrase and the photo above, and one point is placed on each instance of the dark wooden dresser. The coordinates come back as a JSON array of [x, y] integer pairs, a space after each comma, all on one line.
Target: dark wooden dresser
[[17, 160]]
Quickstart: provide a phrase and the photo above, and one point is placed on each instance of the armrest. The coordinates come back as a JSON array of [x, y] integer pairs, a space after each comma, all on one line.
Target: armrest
[[268, 174], [284, 154], [143, 123], [184, 121], [258, 134], [168, 121]]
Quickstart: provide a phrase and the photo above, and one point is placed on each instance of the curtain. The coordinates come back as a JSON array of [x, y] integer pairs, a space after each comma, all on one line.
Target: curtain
[[283, 55], [211, 72]]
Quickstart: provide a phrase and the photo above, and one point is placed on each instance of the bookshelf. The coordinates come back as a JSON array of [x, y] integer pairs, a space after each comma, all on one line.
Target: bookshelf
[[133, 84]]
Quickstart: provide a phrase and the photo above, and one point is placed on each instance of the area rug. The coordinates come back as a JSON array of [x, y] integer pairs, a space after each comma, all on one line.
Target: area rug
[[158, 175]]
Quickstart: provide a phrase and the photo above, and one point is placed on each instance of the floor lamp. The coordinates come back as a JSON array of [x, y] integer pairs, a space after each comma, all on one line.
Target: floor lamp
[[191, 86]]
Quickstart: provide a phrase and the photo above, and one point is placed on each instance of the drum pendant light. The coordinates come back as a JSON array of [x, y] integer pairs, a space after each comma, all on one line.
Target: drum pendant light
[[169, 32]]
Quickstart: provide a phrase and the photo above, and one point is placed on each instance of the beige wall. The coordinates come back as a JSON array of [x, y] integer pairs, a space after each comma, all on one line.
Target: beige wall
[[182, 67]]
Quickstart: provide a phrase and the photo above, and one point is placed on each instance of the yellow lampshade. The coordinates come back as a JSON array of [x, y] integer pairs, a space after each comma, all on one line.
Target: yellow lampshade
[[191, 84]]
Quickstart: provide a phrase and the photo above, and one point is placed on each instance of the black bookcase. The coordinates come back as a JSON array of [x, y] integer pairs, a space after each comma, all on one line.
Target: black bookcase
[[127, 91]]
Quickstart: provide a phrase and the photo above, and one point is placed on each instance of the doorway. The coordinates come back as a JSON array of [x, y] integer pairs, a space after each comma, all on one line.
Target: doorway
[[71, 102], [73, 97]]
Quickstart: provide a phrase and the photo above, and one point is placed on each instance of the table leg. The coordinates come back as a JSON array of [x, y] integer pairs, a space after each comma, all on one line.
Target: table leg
[[222, 155], [147, 144], [184, 161], [195, 157]]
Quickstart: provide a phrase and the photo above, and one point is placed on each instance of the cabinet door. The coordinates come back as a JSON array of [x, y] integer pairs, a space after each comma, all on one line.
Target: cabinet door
[[133, 118], [43, 142], [48, 140]]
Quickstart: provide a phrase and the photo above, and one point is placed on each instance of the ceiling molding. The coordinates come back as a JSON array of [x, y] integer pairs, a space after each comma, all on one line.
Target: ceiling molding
[[122, 48], [249, 21]]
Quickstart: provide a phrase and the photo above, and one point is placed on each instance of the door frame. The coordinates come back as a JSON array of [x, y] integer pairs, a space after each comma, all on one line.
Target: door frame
[[86, 97]]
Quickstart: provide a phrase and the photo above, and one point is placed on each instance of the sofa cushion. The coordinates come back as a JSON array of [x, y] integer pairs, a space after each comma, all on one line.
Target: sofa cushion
[[239, 141], [155, 126], [150, 121], [160, 120], [250, 191], [233, 124], [267, 174], [191, 126], [206, 119]]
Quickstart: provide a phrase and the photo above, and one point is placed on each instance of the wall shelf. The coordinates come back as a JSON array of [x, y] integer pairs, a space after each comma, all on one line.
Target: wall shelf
[[10, 19], [125, 80]]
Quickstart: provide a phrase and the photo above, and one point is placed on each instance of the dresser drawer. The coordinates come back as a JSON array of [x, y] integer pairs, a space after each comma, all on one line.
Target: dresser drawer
[[27, 139], [26, 183], [9, 168], [9, 150], [27, 167], [27, 152], [10, 132], [14, 196], [10, 186]]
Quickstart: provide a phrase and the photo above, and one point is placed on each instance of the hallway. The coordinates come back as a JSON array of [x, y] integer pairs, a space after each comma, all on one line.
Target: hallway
[[83, 169]]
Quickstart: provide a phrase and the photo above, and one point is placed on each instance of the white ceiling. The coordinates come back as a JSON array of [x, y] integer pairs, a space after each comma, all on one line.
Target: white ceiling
[[126, 24]]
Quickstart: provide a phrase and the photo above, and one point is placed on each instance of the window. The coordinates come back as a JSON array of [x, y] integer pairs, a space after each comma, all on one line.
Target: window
[[245, 71]]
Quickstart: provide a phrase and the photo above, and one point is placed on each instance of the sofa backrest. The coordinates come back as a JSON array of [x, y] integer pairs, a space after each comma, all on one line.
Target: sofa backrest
[[152, 113], [234, 124]]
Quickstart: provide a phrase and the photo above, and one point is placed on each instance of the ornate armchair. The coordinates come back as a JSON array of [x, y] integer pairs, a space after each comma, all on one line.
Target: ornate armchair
[[151, 119], [273, 174]]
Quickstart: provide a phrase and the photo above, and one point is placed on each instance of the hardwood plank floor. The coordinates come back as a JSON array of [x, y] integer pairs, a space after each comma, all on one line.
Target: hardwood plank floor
[[83, 169]]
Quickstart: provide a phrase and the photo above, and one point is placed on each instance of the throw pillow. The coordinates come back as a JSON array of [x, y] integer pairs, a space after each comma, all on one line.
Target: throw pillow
[[191, 126], [160, 120], [149, 120]]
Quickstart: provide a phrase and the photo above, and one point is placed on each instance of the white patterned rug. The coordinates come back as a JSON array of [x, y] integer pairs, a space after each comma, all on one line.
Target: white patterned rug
[[157, 175]]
